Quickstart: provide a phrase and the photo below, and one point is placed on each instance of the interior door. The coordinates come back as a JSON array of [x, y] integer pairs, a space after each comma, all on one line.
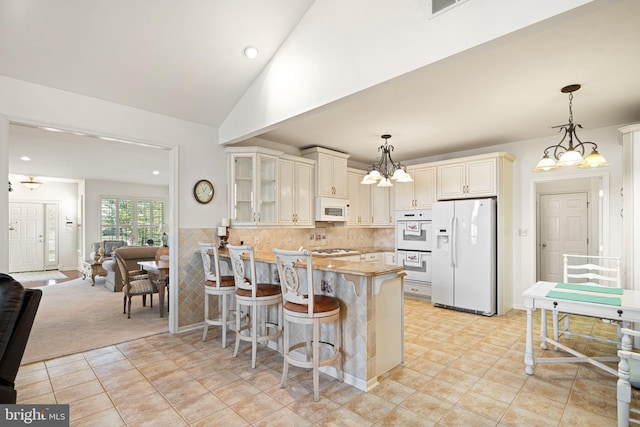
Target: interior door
[[26, 237], [563, 230]]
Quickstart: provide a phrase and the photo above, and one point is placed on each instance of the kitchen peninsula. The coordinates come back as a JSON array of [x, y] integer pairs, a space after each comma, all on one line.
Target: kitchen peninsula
[[372, 312]]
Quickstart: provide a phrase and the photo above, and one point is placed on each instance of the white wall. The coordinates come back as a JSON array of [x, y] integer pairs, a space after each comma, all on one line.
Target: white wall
[[342, 47], [95, 190], [195, 148], [65, 194]]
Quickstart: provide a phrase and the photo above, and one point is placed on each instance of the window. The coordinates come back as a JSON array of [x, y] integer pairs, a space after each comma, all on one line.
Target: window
[[136, 221]]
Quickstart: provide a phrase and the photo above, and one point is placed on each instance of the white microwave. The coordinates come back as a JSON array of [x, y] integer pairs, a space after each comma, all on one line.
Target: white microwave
[[332, 209]]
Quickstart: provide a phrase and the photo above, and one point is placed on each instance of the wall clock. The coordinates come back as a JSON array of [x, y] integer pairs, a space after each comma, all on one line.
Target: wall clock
[[203, 191]]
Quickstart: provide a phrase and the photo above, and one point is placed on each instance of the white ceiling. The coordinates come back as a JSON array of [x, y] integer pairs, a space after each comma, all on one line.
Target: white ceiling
[[183, 59]]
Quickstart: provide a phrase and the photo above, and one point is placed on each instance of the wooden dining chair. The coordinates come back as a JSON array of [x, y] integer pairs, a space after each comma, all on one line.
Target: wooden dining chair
[[135, 282]]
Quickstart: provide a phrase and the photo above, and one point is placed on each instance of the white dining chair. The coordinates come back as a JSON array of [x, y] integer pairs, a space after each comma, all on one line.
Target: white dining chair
[[594, 270]]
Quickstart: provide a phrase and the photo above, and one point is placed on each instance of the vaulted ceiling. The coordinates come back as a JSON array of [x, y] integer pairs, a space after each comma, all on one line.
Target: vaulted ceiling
[[184, 59]]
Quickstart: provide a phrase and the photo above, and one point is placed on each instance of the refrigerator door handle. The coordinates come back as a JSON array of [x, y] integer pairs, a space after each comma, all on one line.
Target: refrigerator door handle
[[454, 223]]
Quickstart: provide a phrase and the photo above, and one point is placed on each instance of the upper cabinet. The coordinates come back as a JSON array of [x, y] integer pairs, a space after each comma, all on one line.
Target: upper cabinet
[[254, 176], [471, 178], [295, 191], [419, 194], [383, 213], [359, 199], [331, 171], [369, 205]]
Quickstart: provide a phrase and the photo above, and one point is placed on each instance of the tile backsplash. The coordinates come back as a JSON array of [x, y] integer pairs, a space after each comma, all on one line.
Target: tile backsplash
[[266, 239]]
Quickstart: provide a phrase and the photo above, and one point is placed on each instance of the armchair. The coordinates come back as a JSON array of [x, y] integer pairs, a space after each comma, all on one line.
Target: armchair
[[134, 282], [131, 255], [17, 312]]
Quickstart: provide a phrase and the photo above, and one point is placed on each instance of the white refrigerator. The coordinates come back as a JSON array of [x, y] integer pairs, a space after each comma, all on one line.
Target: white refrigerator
[[464, 255]]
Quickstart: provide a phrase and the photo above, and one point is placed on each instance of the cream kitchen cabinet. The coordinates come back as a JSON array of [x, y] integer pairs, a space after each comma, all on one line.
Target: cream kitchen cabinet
[[383, 213], [295, 191], [472, 178], [389, 258], [359, 199], [331, 172], [254, 179], [419, 194]]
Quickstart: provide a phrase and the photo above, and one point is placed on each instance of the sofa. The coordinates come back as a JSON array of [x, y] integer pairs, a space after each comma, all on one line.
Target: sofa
[[109, 245], [131, 256]]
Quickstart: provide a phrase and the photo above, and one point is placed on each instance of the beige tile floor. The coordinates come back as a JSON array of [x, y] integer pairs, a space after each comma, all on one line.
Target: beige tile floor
[[460, 370]]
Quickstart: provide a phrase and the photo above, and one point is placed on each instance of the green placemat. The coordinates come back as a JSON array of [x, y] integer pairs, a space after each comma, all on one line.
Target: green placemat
[[583, 297], [590, 288]]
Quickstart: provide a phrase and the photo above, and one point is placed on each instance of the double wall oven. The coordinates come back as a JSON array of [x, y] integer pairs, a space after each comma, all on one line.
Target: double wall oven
[[413, 249]]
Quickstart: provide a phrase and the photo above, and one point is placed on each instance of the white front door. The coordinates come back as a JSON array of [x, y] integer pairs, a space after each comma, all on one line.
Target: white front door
[[26, 237], [563, 230]]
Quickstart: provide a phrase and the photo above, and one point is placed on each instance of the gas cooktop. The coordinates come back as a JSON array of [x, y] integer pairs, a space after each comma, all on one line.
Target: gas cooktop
[[336, 251]]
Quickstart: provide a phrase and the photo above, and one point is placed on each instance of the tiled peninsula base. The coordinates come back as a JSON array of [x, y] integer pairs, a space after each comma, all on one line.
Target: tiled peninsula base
[[371, 310]]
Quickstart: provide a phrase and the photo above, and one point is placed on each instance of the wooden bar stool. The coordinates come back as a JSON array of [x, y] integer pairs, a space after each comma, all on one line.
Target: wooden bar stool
[[216, 284], [301, 309], [254, 295]]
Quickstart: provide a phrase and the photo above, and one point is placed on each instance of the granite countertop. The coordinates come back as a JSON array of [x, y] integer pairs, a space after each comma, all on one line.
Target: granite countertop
[[334, 265], [355, 251]]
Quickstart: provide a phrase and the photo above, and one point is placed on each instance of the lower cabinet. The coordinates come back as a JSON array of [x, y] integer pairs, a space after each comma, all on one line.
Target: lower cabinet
[[371, 257], [389, 258], [418, 290]]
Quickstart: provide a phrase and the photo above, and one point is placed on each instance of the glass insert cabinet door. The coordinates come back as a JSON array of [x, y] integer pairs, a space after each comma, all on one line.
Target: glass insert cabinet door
[[254, 189]]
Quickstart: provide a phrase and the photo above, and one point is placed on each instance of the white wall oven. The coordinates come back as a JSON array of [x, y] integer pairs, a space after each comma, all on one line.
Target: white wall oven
[[413, 250]]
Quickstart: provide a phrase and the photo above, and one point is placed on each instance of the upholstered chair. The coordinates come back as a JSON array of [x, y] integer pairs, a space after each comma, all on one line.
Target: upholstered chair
[[134, 282]]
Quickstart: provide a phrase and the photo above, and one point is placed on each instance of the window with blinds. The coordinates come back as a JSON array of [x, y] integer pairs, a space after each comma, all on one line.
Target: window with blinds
[[134, 220]]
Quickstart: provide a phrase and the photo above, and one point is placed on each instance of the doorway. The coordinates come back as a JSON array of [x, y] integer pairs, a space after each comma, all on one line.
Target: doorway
[[568, 220], [33, 237], [564, 222]]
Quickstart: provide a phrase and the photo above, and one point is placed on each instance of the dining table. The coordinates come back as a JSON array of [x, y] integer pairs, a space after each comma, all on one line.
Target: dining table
[[580, 299], [161, 268]]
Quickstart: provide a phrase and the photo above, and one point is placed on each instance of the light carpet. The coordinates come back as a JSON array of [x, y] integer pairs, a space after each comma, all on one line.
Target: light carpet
[[75, 317], [33, 276]]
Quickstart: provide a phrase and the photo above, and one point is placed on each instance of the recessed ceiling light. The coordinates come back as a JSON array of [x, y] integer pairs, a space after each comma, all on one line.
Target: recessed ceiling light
[[25, 158], [250, 52], [156, 172]]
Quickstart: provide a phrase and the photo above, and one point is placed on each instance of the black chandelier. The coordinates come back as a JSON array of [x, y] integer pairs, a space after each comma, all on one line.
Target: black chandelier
[[386, 169], [573, 153]]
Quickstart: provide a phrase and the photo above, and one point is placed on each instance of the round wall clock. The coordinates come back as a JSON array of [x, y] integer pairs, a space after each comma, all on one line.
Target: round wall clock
[[203, 191]]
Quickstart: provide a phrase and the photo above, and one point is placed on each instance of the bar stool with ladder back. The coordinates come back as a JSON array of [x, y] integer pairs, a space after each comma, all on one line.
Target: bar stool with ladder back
[[307, 310], [249, 293], [215, 284]]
